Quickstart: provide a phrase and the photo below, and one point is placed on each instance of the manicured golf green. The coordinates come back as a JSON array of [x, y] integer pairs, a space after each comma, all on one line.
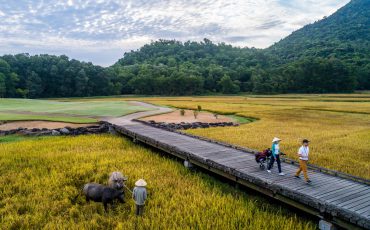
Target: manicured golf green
[[75, 111]]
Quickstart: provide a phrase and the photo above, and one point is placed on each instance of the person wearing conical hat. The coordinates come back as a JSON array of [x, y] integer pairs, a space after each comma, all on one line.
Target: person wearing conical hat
[[139, 195], [275, 149]]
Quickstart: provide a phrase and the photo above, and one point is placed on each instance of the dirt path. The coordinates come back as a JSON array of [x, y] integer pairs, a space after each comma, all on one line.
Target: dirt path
[[40, 125], [176, 117]]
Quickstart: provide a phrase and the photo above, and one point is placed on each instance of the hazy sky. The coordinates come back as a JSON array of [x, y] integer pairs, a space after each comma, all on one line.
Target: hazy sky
[[101, 31]]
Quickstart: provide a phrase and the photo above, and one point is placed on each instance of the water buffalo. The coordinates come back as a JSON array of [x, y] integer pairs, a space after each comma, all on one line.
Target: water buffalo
[[116, 180], [101, 193]]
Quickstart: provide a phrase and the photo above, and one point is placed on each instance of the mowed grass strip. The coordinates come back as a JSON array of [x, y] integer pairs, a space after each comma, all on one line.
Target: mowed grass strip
[[81, 108], [339, 131], [40, 178]]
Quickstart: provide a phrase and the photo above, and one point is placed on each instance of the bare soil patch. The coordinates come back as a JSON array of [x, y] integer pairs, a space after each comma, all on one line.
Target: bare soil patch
[[175, 117], [39, 125]]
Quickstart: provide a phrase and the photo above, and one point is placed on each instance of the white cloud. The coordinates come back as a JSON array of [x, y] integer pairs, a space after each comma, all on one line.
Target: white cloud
[[90, 30]]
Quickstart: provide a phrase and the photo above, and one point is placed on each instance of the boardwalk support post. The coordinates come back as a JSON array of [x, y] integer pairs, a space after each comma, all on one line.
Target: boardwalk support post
[[112, 130], [325, 225], [187, 164]]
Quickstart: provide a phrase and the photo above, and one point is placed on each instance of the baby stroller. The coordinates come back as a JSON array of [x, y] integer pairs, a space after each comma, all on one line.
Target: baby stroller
[[262, 158]]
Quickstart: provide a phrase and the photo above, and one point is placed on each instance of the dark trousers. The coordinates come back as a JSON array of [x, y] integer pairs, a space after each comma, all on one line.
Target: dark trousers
[[139, 210], [272, 160]]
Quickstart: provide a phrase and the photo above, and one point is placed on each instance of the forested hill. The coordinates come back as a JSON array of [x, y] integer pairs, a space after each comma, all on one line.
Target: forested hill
[[45, 75], [345, 34], [176, 68], [331, 55]]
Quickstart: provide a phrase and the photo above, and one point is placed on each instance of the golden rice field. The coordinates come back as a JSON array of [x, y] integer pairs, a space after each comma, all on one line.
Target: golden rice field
[[40, 178], [337, 125]]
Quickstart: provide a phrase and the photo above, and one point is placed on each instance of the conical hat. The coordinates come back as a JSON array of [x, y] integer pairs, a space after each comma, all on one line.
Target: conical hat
[[140, 183], [276, 139]]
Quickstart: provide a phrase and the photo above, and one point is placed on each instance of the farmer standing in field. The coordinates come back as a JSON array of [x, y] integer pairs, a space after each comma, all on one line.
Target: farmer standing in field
[[275, 156], [139, 195], [303, 158]]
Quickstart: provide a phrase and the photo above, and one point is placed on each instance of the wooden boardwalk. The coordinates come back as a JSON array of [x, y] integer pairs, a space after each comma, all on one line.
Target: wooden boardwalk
[[341, 201]]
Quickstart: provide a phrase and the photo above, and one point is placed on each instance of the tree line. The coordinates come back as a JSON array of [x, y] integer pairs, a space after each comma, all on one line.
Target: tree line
[[168, 67], [45, 75]]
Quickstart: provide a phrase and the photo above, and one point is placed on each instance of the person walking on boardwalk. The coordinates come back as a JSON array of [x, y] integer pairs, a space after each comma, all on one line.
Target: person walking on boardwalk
[[139, 195], [275, 156], [303, 158]]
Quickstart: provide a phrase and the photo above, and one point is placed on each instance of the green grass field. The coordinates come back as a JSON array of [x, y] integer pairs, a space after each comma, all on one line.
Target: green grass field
[[71, 111]]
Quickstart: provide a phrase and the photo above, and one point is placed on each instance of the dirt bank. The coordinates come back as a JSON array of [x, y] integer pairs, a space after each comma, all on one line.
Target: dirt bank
[[175, 117]]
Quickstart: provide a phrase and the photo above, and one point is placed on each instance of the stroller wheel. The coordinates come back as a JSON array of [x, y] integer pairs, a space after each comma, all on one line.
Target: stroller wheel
[[262, 166]]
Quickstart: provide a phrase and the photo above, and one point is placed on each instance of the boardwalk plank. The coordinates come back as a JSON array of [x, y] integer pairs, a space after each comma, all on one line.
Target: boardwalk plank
[[320, 182], [365, 210], [355, 201], [360, 206], [320, 186], [327, 190], [343, 193]]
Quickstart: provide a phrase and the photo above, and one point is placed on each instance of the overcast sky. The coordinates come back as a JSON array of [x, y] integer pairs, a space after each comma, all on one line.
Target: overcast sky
[[101, 31]]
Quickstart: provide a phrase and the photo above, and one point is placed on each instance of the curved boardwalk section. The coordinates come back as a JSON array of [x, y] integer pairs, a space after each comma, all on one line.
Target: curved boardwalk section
[[341, 201]]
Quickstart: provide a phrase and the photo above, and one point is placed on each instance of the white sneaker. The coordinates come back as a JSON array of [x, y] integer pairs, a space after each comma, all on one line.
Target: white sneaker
[[269, 171], [281, 174]]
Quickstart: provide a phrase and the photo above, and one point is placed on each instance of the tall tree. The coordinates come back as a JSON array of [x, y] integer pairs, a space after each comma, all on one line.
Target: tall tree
[[2, 85]]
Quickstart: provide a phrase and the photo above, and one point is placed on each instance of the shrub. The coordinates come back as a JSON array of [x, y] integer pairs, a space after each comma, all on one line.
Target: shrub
[[182, 112]]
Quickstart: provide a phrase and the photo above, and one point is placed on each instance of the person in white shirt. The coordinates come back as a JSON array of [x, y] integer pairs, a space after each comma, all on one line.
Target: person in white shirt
[[303, 158]]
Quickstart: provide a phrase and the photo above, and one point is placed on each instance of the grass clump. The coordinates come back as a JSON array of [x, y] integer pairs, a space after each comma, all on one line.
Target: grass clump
[[182, 112], [195, 113]]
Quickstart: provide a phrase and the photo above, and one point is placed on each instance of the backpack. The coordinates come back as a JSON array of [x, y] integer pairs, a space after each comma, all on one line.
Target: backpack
[[264, 154]]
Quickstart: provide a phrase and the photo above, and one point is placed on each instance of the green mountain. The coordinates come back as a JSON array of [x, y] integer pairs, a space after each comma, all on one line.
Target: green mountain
[[345, 35]]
